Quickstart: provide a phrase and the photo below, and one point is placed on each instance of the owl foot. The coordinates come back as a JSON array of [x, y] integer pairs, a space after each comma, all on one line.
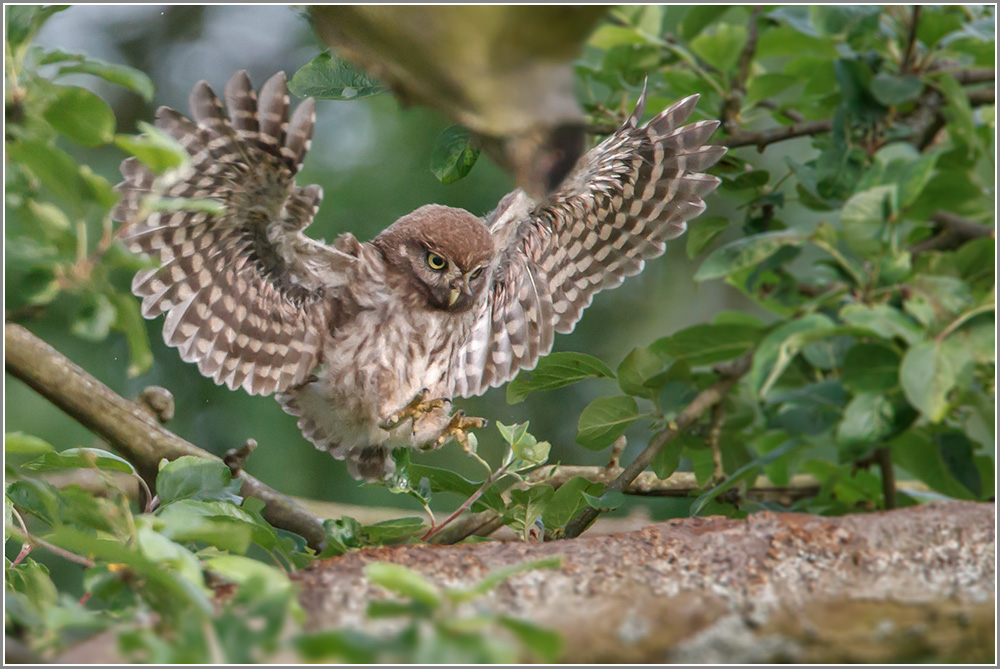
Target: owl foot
[[458, 429], [417, 406]]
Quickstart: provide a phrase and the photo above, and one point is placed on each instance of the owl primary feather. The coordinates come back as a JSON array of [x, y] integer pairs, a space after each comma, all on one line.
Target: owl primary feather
[[368, 342]]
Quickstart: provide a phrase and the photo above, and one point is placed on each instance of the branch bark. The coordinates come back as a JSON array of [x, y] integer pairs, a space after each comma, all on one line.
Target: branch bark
[[127, 427], [878, 587]]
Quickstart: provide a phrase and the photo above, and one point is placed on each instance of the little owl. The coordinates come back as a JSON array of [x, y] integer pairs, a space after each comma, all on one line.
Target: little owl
[[366, 343]]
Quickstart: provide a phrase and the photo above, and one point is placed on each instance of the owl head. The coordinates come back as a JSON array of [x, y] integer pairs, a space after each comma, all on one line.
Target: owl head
[[440, 256]]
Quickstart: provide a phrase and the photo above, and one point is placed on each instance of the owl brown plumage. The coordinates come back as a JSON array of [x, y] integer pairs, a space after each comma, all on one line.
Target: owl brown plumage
[[354, 337]]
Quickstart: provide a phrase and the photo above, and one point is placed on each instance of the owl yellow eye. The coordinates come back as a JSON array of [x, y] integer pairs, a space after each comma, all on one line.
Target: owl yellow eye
[[436, 262], [475, 275]]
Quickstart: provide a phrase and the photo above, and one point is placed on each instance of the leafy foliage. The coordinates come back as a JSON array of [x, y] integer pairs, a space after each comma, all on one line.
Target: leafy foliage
[[867, 255]]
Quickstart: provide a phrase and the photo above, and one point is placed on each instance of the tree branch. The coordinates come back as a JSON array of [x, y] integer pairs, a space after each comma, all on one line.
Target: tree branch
[[692, 412], [773, 587], [127, 427], [761, 138], [911, 41], [955, 231]]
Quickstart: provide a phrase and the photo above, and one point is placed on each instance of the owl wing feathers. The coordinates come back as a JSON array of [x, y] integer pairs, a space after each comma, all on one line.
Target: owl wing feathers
[[243, 290], [623, 201]]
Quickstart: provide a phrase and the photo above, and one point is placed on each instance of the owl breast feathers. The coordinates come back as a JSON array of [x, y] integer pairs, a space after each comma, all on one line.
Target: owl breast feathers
[[368, 342]]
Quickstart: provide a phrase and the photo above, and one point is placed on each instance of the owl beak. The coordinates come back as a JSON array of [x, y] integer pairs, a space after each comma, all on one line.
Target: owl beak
[[453, 296]]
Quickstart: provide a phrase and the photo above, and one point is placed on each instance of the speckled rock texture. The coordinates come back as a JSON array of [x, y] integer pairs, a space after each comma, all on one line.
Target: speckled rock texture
[[906, 585]]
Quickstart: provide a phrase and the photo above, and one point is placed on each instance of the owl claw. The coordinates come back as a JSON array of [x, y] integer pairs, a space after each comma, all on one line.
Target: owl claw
[[418, 405], [458, 429]]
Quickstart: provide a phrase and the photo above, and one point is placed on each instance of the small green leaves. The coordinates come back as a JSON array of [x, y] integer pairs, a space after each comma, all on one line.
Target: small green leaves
[[155, 148], [604, 420], [121, 75], [326, 77], [709, 343], [523, 445], [609, 501], [81, 116], [929, 372], [555, 371], [638, 371], [454, 155], [744, 253], [703, 233], [190, 477]]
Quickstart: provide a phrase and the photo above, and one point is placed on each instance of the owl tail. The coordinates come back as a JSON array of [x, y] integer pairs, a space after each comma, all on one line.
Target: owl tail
[[238, 300]]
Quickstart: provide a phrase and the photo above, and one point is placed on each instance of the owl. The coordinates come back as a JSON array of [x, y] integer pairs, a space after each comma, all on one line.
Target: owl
[[367, 343]]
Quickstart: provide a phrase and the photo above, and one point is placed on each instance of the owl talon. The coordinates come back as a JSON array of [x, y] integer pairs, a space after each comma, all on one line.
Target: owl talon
[[418, 405], [458, 429]]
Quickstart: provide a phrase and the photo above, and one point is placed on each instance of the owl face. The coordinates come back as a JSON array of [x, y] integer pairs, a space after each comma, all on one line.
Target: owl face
[[443, 253]]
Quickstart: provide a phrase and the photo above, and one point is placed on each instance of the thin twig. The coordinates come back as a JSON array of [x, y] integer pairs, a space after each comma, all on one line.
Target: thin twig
[[733, 101], [699, 405], [884, 458], [55, 550], [911, 42], [491, 479], [955, 231], [127, 427], [714, 435], [761, 138]]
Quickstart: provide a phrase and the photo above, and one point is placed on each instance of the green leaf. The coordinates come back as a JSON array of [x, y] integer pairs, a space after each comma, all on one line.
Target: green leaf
[[129, 321], [524, 445], [707, 344], [922, 455], [93, 322], [609, 501], [865, 216], [404, 581], [328, 78], [929, 372], [637, 370], [527, 506], [191, 477], [703, 233], [609, 36], [568, 501], [746, 252], [777, 350], [546, 645], [453, 156], [55, 169], [154, 147], [18, 443], [868, 418], [342, 535], [122, 75], [883, 321], [700, 17], [890, 89], [668, 459], [768, 85], [720, 45], [604, 420], [23, 21], [870, 368], [81, 458], [555, 371], [391, 530], [80, 115]]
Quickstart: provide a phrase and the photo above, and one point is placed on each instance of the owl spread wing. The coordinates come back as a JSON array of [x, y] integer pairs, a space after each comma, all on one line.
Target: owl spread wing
[[619, 206], [243, 289]]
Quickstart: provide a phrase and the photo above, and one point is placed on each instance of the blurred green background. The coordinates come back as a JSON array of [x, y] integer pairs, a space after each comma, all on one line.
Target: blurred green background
[[372, 159]]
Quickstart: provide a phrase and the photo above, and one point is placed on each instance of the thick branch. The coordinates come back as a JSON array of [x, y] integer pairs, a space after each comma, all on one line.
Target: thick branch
[[773, 587], [705, 400], [127, 427]]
